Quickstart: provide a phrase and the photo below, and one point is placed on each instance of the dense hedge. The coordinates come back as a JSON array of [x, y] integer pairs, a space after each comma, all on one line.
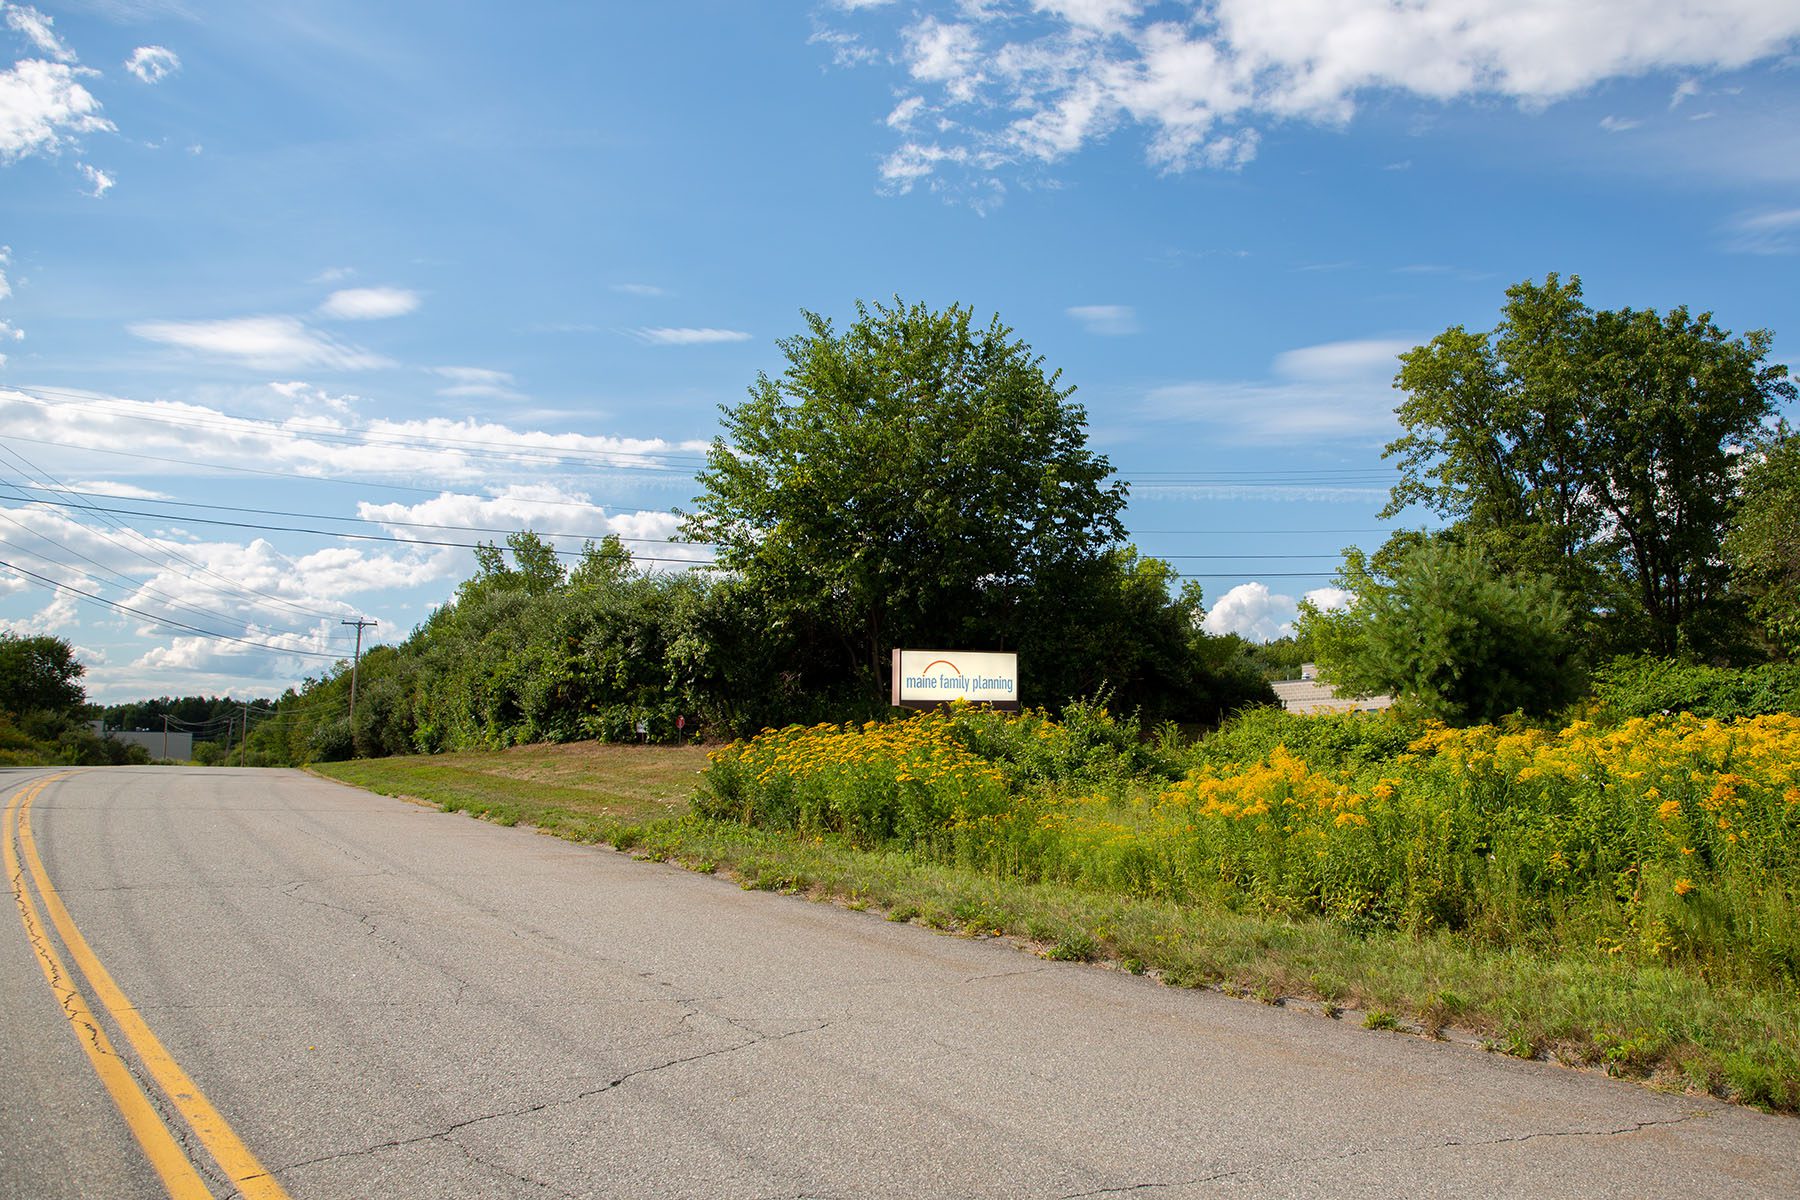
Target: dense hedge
[[1642, 687], [531, 653]]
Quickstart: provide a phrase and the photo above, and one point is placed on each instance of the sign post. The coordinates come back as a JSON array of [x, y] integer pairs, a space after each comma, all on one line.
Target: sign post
[[928, 678]]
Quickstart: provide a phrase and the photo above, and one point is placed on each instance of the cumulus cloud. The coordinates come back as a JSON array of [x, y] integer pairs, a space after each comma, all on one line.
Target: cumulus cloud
[[1252, 611], [369, 304], [1107, 320], [153, 64], [688, 337], [44, 108], [1334, 391], [317, 441], [247, 591], [262, 588], [274, 343], [567, 517], [1015, 82]]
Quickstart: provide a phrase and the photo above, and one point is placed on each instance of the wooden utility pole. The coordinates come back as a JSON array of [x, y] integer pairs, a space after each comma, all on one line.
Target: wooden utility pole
[[354, 661], [244, 743]]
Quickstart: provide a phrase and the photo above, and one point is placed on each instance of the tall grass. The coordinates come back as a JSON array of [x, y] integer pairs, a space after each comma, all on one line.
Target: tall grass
[[1666, 839]]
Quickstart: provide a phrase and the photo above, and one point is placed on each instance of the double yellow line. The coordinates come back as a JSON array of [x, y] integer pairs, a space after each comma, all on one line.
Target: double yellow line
[[170, 1161]]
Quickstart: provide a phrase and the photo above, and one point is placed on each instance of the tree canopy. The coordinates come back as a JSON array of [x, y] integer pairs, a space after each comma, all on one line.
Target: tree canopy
[[914, 479], [39, 674], [1763, 544], [1599, 448]]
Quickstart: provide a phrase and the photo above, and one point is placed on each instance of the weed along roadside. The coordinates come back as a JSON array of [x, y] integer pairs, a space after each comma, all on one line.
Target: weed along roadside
[[1617, 898]]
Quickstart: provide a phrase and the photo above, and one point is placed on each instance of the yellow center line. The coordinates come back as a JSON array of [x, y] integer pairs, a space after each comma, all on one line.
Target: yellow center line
[[247, 1174], [159, 1146]]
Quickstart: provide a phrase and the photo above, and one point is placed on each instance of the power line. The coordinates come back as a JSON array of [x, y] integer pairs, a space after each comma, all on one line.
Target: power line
[[167, 552], [158, 619], [382, 521], [366, 537]]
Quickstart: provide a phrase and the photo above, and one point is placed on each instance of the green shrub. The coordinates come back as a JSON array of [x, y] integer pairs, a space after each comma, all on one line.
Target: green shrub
[[1644, 686]]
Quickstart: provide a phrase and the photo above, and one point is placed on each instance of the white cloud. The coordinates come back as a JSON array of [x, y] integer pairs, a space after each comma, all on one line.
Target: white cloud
[[847, 50], [1108, 320], [1685, 90], [37, 29], [5, 261], [478, 381], [313, 441], [1334, 361], [62, 614], [639, 289], [946, 53], [44, 108], [1252, 611], [369, 304], [333, 275], [1018, 81], [274, 343], [901, 117], [153, 64], [1776, 232], [1335, 391], [567, 517], [688, 337], [1614, 124], [474, 375], [112, 487], [99, 182]]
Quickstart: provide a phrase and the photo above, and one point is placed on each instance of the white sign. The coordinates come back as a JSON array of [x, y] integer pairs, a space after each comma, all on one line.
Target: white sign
[[927, 677]]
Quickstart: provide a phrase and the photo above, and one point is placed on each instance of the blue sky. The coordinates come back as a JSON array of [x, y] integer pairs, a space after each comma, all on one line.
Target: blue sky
[[428, 271]]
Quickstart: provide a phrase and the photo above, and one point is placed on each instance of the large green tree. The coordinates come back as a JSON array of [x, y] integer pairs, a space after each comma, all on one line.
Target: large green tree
[[39, 674], [915, 478], [1599, 448], [1763, 545]]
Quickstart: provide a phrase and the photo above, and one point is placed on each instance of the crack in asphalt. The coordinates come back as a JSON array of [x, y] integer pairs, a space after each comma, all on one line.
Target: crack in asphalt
[[234, 885], [1448, 1143], [509, 1172], [1038, 970], [292, 888], [448, 1132]]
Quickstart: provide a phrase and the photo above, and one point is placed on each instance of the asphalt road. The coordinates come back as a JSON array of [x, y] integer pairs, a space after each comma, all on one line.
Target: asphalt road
[[383, 1000]]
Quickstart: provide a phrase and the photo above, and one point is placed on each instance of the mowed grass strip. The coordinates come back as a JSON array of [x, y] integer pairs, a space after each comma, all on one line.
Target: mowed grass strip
[[586, 791], [1641, 1021]]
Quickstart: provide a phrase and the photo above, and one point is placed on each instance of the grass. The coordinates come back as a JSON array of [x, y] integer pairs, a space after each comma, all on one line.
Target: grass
[[1635, 1019], [586, 791]]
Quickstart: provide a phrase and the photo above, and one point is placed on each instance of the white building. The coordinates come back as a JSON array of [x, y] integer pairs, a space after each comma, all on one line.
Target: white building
[[1309, 694], [171, 745]]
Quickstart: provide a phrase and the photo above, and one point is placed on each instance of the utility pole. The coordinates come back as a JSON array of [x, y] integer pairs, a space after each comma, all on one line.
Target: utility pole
[[244, 743], [165, 735], [354, 661]]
